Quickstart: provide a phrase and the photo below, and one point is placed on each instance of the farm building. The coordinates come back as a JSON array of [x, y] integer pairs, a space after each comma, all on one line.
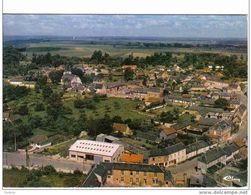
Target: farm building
[[95, 151]]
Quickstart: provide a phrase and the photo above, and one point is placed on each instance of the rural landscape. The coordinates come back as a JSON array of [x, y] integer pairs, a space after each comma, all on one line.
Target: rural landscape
[[124, 111]]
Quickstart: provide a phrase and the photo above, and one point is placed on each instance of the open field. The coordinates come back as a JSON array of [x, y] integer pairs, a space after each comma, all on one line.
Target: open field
[[20, 178], [113, 106], [86, 50]]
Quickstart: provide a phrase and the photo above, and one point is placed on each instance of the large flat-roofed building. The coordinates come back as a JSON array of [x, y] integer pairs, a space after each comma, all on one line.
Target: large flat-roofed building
[[95, 151]]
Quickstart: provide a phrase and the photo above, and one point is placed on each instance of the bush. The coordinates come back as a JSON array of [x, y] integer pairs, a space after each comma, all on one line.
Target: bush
[[39, 107]]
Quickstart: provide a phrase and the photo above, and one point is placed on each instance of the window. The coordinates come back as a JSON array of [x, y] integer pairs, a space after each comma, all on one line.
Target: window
[[80, 157], [131, 173], [145, 180], [73, 156], [122, 172], [122, 179], [107, 160], [153, 159]]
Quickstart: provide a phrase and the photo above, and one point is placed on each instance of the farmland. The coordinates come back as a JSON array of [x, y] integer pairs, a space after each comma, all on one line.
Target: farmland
[[115, 50]]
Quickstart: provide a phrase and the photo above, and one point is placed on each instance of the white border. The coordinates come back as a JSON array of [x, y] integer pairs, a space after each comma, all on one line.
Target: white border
[[127, 6]]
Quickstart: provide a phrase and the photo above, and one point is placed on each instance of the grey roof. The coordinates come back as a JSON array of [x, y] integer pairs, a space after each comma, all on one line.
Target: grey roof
[[132, 167], [92, 180], [222, 125], [166, 151], [104, 169], [208, 121], [242, 109], [211, 155], [196, 146], [230, 149], [115, 84]]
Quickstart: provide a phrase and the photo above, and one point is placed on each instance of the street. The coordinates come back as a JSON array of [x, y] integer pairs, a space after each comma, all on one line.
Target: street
[[187, 167], [19, 159]]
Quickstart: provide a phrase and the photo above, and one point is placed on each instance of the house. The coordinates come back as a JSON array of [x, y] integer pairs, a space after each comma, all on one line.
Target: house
[[208, 121], [95, 152], [18, 81], [201, 180], [122, 128], [128, 175], [168, 133], [198, 148], [179, 101], [210, 84], [221, 131], [133, 67], [139, 74], [132, 158], [107, 138], [211, 158], [168, 156], [231, 150], [70, 81], [240, 115]]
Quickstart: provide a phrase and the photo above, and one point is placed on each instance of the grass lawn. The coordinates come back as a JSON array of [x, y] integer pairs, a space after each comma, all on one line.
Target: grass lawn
[[60, 148], [18, 178], [166, 109], [135, 142], [14, 177], [124, 108]]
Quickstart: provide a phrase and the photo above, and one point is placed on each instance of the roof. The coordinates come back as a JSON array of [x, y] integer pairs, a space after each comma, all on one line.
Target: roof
[[133, 158], [196, 146], [120, 127], [94, 147], [103, 170], [230, 149], [222, 125], [208, 121], [169, 130], [132, 167], [242, 109], [211, 155], [129, 66], [168, 150], [115, 84]]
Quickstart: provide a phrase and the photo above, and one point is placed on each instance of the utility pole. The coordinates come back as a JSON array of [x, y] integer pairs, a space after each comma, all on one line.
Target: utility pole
[[27, 158], [15, 141]]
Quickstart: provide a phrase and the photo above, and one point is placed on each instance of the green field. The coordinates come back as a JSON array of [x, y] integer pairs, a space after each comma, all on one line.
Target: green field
[[124, 108], [25, 178], [86, 50]]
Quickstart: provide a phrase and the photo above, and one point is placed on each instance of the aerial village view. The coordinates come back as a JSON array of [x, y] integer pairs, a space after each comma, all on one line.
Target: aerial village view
[[98, 101]]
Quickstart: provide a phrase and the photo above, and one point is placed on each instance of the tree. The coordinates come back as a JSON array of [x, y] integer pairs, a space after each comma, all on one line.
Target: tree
[[56, 76], [47, 91], [97, 57], [55, 105], [23, 110], [128, 74], [78, 72], [221, 103], [167, 117]]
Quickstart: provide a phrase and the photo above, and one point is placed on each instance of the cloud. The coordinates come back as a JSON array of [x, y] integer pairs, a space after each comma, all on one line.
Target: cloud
[[127, 25]]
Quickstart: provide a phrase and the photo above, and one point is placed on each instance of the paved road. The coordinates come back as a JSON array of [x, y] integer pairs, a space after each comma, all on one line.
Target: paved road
[[19, 159], [187, 167]]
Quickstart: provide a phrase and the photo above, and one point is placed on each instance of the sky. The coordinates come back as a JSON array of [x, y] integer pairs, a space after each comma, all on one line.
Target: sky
[[190, 26]]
